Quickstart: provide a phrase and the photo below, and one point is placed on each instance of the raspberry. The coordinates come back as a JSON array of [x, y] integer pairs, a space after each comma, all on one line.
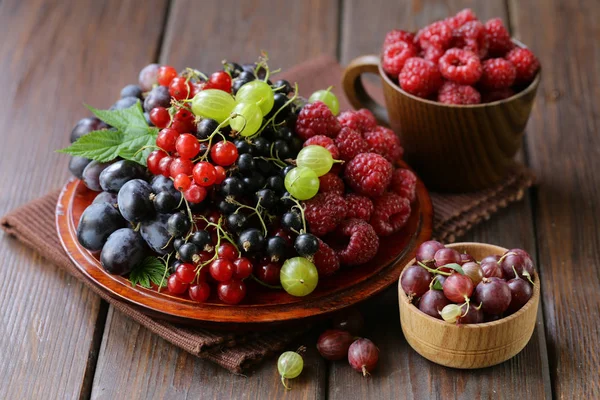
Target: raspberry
[[324, 212], [454, 93], [496, 95], [433, 54], [368, 174], [420, 77], [395, 55], [316, 119], [331, 183], [404, 183], [471, 36], [324, 141], [438, 34], [397, 35], [326, 259], [384, 141], [390, 215], [525, 62], [350, 143], [358, 206], [460, 66], [461, 18], [361, 121], [498, 38], [498, 73], [363, 242]]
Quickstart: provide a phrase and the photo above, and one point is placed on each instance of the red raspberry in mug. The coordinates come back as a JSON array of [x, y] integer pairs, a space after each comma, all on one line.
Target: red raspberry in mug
[[454, 93], [498, 73], [472, 36], [525, 62], [437, 34], [398, 35], [420, 77], [395, 56], [461, 18], [498, 38], [460, 66]]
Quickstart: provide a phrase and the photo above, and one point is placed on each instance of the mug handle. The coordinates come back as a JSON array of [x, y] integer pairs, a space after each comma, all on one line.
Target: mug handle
[[355, 90]]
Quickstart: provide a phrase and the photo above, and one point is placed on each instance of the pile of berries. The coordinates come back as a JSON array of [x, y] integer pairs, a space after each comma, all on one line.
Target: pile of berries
[[246, 181], [459, 60], [448, 285]]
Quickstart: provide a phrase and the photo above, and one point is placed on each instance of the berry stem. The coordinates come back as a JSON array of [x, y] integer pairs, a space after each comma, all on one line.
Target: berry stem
[[272, 119], [433, 271], [301, 209], [265, 284]]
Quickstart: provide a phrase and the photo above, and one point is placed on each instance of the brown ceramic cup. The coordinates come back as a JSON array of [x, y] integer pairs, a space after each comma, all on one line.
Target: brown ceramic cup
[[453, 148]]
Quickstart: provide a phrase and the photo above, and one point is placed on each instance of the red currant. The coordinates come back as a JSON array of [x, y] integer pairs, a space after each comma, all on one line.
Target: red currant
[[187, 146], [181, 166], [164, 166], [179, 88], [195, 194], [195, 89], [224, 153], [220, 174], [182, 182], [153, 161], [268, 272], [165, 75], [204, 173], [227, 251], [160, 117], [204, 257], [166, 139], [220, 80], [183, 114], [199, 292], [186, 273], [243, 268], [175, 286], [221, 269], [232, 292]]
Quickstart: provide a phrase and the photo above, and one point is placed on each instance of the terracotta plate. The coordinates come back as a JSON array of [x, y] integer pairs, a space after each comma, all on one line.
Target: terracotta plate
[[349, 286]]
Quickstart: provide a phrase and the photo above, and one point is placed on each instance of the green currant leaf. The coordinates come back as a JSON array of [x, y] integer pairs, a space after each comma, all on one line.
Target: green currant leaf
[[103, 145], [455, 267], [131, 118], [137, 148], [150, 270], [436, 284]]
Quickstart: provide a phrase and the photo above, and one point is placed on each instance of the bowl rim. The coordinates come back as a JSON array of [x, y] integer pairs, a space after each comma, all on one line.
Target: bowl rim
[[531, 87], [402, 297]]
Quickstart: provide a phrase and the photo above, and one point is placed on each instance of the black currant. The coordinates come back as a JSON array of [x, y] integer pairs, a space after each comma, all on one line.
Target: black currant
[[165, 202], [253, 182], [295, 145], [237, 222], [287, 201], [279, 101], [276, 183], [247, 75], [243, 147], [226, 207], [282, 86], [202, 240], [291, 221], [232, 186], [262, 147], [188, 252], [267, 198], [251, 241], [233, 68], [282, 150], [284, 133], [276, 248], [287, 169], [178, 242], [306, 244], [264, 167], [205, 128], [246, 164], [178, 224]]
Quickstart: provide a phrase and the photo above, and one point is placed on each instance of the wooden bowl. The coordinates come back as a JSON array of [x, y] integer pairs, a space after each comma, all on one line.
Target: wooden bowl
[[453, 148], [473, 345], [261, 309]]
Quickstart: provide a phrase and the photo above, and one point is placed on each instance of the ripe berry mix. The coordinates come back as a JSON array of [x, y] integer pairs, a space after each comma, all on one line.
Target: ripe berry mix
[[209, 182], [454, 287], [459, 60]]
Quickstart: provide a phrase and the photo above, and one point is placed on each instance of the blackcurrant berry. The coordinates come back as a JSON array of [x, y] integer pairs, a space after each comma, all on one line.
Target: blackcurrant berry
[[202, 240], [281, 150], [253, 182], [188, 252], [287, 201], [233, 68], [264, 167], [165, 202], [243, 147], [306, 244], [179, 224], [295, 145], [247, 75], [276, 183], [232, 186], [276, 248], [267, 198], [287, 169], [205, 128], [246, 164], [226, 207], [262, 146], [178, 242], [284, 133], [291, 221], [282, 86], [251, 241], [237, 222], [279, 101]]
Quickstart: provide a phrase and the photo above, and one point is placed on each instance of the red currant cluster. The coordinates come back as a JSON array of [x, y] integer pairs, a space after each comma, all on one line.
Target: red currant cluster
[[448, 285], [459, 60]]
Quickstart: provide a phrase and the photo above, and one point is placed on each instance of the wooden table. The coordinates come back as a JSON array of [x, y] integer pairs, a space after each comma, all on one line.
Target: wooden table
[[59, 341]]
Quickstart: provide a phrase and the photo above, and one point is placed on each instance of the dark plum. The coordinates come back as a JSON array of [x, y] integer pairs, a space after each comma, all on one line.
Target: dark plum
[[432, 302], [123, 250], [124, 103], [85, 126], [91, 175], [165, 202], [106, 197], [134, 201], [427, 250], [77, 165], [117, 174], [163, 184], [96, 224], [493, 294], [158, 97], [131, 91], [148, 76], [156, 235], [415, 281]]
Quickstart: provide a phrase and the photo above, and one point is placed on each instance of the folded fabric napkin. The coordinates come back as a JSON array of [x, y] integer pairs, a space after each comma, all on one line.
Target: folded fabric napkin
[[34, 225]]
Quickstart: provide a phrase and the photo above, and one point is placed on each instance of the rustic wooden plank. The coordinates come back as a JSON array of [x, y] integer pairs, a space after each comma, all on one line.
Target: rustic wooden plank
[[563, 148], [133, 363], [402, 373], [55, 55]]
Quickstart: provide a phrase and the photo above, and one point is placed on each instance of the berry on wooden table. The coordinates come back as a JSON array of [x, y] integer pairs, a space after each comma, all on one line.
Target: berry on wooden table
[[420, 77], [368, 174], [316, 119]]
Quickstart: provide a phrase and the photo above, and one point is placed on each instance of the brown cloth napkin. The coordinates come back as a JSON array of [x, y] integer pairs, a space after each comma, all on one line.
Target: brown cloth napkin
[[34, 225]]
